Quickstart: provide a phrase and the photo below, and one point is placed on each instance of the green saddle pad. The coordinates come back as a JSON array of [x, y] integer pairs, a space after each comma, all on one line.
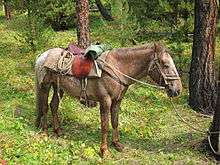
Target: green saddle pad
[[94, 51]]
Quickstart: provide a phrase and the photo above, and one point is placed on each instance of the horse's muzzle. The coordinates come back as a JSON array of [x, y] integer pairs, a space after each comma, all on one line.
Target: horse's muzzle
[[172, 91]]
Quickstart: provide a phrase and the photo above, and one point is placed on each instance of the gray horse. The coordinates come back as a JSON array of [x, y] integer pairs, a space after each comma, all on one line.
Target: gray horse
[[121, 66]]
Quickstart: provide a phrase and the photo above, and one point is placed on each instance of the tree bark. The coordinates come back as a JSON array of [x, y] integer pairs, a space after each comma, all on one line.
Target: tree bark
[[215, 127], [202, 82], [105, 14], [82, 14], [7, 8]]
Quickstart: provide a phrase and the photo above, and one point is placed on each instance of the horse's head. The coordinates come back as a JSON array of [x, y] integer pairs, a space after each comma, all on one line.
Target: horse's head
[[163, 71]]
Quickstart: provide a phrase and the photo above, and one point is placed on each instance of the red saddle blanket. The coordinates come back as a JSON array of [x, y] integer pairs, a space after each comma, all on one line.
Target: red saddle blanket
[[81, 65]]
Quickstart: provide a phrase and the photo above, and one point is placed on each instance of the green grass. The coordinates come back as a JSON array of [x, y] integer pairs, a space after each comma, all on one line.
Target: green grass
[[148, 126]]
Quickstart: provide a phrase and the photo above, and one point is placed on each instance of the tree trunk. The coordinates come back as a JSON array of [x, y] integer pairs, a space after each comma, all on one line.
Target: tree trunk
[[7, 8], [82, 14], [202, 84], [215, 127], [105, 14]]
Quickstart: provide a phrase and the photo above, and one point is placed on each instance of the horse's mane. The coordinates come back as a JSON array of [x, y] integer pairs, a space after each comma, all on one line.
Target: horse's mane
[[157, 46]]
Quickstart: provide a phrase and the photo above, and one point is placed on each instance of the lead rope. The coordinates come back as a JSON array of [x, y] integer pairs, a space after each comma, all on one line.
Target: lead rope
[[183, 120], [196, 129], [131, 78], [174, 108]]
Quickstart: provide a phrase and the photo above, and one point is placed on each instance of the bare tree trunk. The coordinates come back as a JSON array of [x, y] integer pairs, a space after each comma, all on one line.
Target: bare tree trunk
[[82, 13], [215, 127], [105, 14], [202, 83], [7, 8]]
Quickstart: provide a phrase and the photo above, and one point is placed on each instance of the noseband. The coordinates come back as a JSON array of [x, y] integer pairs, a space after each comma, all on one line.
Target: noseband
[[165, 77]]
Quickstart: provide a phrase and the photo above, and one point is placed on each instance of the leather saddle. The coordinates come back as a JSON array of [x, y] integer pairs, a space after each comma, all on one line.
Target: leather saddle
[[81, 65]]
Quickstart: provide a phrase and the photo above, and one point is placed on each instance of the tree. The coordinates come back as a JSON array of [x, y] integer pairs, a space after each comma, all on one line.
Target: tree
[[7, 8], [105, 14], [202, 82], [215, 127], [82, 14]]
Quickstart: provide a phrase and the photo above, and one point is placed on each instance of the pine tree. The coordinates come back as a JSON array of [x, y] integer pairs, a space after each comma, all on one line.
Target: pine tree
[[202, 82], [82, 13]]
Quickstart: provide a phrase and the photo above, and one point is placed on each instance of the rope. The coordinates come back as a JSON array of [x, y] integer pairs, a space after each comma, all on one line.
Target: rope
[[190, 125], [184, 121], [131, 78], [65, 67], [210, 144], [64, 63]]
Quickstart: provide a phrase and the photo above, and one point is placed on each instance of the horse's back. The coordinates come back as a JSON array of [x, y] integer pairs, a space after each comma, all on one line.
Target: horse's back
[[47, 57], [43, 57]]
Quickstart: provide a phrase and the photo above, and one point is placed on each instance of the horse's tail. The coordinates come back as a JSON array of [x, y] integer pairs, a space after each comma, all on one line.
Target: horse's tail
[[39, 75], [39, 111]]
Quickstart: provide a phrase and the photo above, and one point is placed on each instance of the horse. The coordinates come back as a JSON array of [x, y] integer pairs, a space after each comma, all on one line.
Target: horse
[[123, 66]]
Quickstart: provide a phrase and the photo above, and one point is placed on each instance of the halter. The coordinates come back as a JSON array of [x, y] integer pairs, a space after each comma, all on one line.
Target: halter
[[166, 77]]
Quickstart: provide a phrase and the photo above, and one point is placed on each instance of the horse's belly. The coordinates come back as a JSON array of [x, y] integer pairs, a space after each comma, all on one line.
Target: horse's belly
[[72, 87]]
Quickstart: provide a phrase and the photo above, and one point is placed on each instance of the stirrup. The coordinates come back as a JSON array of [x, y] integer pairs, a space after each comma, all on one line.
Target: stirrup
[[83, 95]]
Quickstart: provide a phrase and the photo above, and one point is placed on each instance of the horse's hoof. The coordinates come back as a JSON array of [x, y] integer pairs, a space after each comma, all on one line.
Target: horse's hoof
[[104, 153], [58, 132], [118, 146]]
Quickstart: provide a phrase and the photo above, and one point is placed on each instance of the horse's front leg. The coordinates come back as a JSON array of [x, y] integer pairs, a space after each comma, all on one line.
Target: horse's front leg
[[105, 106], [115, 107]]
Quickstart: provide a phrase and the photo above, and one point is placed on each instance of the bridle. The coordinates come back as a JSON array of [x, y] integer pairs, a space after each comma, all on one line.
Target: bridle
[[166, 78]]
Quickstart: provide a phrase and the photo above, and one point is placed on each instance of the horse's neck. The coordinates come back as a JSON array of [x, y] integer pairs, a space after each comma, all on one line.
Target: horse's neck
[[134, 62]]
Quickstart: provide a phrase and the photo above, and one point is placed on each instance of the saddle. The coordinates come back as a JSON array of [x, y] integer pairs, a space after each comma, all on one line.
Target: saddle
[[81, 64], [76, 62]]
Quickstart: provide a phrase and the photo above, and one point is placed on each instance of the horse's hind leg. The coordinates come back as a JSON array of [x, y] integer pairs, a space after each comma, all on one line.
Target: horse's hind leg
[[105, 105], [39, 111], [42, 105], [54, 104], [115, 107]]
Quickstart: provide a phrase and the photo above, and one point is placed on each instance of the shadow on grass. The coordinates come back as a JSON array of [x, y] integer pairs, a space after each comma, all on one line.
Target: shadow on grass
[[77, 131]]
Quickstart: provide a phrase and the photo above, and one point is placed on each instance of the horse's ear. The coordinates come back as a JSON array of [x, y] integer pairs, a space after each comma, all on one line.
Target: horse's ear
[[158, 47]]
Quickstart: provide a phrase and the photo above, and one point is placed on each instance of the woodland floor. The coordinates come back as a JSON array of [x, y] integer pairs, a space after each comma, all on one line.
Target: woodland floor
[[149, 128]]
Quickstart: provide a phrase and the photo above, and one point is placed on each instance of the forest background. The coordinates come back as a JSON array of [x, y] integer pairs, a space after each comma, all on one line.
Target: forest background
[[149, 128]]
